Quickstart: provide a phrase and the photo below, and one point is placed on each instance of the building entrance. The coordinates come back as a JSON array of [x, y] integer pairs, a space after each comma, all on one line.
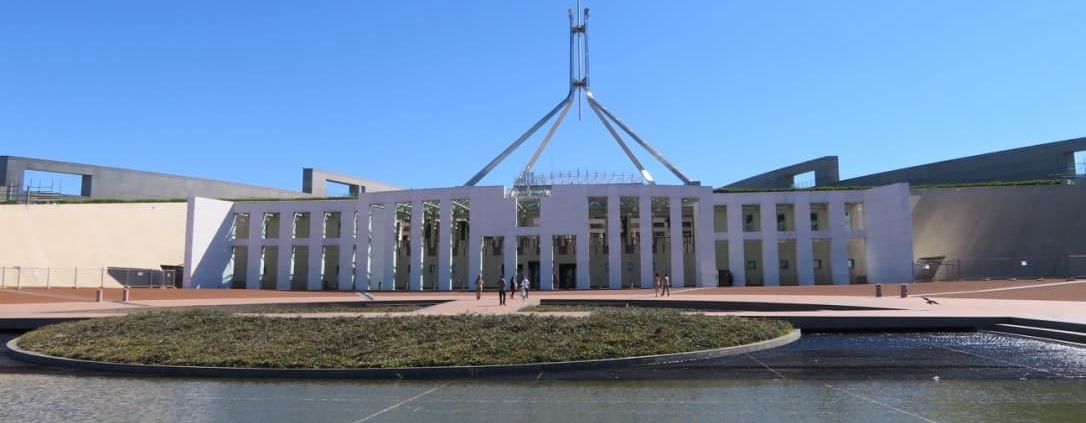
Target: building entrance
[[567, 276]]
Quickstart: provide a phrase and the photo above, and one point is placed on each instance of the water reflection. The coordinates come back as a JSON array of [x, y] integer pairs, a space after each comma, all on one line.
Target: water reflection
[[831, 378], [49, 398]]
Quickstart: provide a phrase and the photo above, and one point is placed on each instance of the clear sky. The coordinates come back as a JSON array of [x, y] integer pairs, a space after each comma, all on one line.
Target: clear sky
[[425, 93]]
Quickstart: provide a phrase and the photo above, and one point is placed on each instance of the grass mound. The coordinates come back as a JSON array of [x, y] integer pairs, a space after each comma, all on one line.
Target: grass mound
[[216, 338]]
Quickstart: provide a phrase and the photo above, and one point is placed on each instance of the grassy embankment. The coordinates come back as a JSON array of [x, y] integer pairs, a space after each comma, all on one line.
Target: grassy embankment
[[216, 338]]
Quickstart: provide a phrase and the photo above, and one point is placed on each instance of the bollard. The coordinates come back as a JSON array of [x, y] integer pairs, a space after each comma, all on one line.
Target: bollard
[[124, 295], [904, 290], [99, 296], [878, 290]]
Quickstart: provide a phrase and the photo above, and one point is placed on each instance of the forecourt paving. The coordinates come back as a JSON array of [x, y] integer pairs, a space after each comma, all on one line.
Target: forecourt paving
[[1052, 300]]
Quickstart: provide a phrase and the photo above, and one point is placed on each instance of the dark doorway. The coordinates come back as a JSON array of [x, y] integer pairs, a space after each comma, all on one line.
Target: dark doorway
[[725, 278], [567, 276], [533, 274]]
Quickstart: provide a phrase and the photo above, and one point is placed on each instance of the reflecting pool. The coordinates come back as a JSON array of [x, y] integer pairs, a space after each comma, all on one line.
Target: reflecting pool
[[942, 377]]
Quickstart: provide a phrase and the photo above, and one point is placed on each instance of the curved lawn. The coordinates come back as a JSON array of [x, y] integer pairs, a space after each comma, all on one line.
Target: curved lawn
[[221, 339]]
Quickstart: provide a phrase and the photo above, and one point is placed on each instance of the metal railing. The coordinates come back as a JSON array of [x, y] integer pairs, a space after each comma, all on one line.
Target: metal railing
[[1068, 266], [86, 277]]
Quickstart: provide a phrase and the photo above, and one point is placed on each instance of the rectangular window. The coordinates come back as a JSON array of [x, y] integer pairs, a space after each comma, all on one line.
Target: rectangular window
[[240, 230], [301, 225], [271, 225], [332, 224], [720, 218], [528, 211], [752, 218]]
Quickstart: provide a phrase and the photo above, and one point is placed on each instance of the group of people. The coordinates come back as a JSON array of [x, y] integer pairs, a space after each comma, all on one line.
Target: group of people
[[661, 286], [511, 286]]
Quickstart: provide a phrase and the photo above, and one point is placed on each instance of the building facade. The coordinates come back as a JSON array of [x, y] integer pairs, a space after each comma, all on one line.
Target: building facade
[[604, 236]]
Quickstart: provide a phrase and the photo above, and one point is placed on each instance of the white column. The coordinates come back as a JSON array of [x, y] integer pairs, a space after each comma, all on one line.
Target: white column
[[771, 270], [583, 243], [255, 244], [388, 278], [804, 246], [705, 241], [346, 243], [509, 260], [644, 210], [316, 250], [546, 261], [444, 246], [285, 242], [474, 247], [675, 215], [417, 247], [614, 243], [364, 253], [737, 258], [838, 241]]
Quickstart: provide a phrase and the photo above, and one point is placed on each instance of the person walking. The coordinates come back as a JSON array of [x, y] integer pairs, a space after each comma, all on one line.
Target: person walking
[[666, 285], [501, 290], [656, 285], [524, 288], [479, 288]]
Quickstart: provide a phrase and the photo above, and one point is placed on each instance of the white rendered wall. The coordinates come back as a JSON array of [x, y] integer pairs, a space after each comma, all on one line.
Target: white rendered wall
[[802, 234], [888, 223], [208, 246]]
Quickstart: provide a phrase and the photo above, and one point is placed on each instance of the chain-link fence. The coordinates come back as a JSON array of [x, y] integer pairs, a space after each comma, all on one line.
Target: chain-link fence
[[943, 269], [86, 277]]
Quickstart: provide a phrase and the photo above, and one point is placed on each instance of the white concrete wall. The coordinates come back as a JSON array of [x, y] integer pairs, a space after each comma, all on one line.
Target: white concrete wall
[[768, 234], [208, 247], [888, 223], [76, 241], [285, 242]]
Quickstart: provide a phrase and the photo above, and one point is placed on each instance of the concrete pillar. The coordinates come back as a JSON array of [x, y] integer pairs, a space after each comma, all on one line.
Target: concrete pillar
[[418, 250], [644, 208], [675, 215], [614, 243], [736, 237], [804, 246], [387, 279], [546, 261], [771, 270], [444, 246]]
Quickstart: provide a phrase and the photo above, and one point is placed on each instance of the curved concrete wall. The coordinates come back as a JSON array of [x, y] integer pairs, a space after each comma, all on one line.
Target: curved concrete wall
[[90, 237], [990, 231]]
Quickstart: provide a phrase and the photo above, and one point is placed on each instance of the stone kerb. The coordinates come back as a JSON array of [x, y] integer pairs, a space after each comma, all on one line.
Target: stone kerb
[[394, 373]]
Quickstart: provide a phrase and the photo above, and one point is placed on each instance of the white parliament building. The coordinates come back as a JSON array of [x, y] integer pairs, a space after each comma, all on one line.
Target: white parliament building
[[576, 230], [577, 237]]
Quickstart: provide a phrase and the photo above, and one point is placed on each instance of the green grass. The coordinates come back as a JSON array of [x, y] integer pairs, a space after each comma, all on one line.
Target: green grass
[[217, 338]]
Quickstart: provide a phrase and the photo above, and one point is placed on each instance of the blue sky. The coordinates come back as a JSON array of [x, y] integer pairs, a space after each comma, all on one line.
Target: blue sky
[[425, 93]]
